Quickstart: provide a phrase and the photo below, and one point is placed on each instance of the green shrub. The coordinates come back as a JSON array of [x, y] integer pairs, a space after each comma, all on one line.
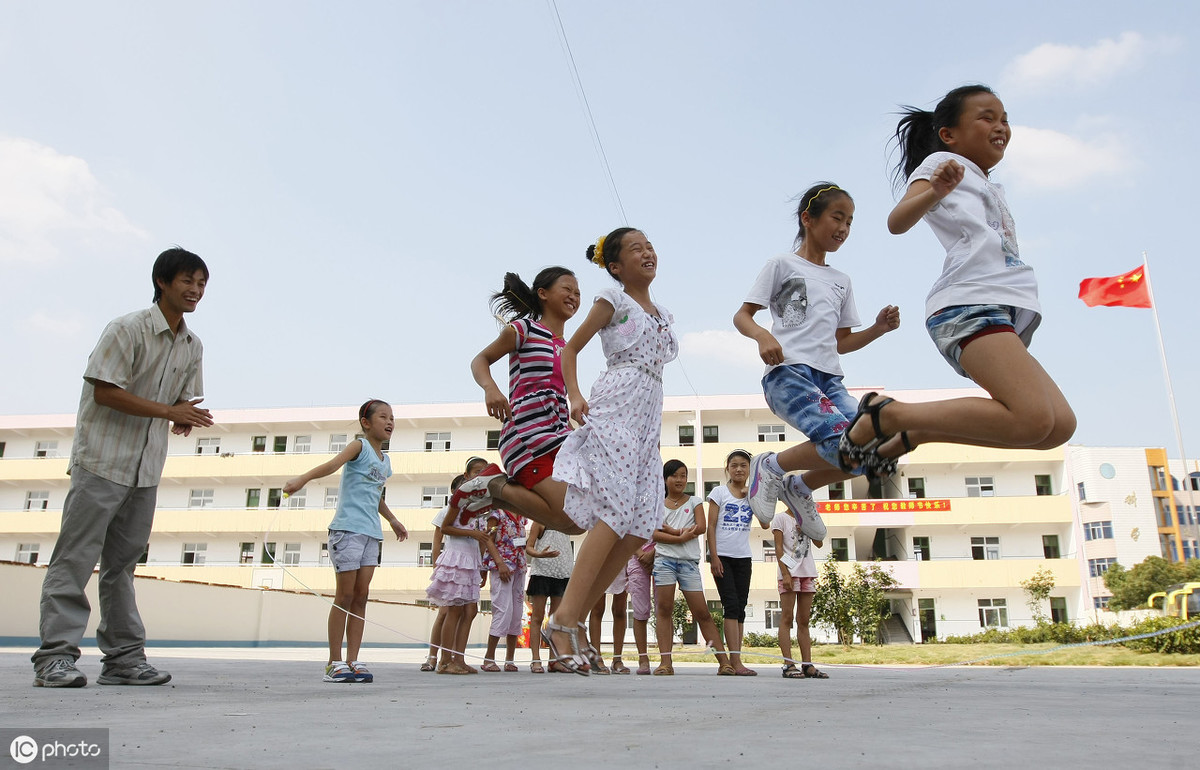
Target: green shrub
[[1187, 641], [754, 639]]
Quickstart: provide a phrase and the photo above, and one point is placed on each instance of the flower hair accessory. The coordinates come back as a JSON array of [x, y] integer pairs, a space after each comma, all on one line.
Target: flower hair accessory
[[598, 254]]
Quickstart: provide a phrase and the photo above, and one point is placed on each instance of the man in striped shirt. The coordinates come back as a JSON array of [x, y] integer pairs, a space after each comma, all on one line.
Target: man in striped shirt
[[144, 373]]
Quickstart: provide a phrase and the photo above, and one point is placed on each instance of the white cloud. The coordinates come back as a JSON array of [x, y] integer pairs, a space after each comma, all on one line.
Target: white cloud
[[43, 324], [1041, 157], [1054, 65], [724, 348], [50, 201]]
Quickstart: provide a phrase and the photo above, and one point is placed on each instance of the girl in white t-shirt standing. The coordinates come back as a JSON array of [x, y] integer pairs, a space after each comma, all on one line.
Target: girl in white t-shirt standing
[[729, 555], [797, 588], [677, 560], [812, 316], [983, 309]]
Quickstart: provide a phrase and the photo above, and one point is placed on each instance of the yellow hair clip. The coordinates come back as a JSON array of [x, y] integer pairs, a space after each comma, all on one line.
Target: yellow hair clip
[[598, 254]]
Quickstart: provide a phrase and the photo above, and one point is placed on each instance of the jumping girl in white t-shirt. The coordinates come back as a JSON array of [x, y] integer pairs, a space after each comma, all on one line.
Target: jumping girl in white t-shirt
[[982, 310]]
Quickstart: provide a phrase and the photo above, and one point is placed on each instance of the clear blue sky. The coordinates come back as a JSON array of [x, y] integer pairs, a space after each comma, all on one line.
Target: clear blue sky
[[360, 175]]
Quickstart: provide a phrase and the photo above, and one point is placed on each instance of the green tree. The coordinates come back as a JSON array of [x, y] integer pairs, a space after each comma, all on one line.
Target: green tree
[[681, 617], [1132, 587], [1037, 590], [852, 605]]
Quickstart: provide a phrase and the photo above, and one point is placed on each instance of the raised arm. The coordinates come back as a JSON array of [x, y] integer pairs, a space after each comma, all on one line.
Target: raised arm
[[351, 451]]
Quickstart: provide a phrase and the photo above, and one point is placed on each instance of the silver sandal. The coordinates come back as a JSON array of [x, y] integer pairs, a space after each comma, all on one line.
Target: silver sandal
[[573, 661], [595, 660]]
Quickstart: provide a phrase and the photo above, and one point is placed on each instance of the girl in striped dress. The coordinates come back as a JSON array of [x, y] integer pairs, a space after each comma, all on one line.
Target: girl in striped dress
[[535, 415]]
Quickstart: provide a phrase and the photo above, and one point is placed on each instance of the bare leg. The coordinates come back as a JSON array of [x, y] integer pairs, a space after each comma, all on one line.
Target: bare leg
[[595, 622], [704, 621], [454, 618], [543, 503], [537, 614], [435, 634], [619, 603], [601, 556], [639, 638], [787, 603], [463, 634], [664, 627], [358, 611], [510, 647], [343, 598], [804, 603]]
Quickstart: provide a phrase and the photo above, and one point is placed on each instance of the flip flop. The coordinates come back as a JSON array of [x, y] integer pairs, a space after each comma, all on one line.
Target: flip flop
[[510, 667], [618, 667], [536, 667], [490, 667], [727, 670], [746, 672]]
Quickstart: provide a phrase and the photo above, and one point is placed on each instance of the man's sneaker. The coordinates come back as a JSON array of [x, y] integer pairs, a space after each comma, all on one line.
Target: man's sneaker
[[804, 508], [338, 671], [60, 672], [473, 495], [361, 674], [764, 486], [142, 673]]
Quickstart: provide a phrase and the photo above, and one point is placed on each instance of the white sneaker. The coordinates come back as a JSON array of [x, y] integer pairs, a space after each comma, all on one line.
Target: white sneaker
[[763, 488], [804, 508], [473, 495]]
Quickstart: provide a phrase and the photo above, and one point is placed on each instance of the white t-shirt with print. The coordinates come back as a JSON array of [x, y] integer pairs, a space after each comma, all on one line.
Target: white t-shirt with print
[[797, 548], [808, 304], [681, 518], [983, 265], [733, 523]]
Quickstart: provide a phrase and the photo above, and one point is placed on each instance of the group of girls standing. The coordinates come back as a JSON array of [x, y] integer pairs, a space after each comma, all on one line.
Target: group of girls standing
[[603, 476]]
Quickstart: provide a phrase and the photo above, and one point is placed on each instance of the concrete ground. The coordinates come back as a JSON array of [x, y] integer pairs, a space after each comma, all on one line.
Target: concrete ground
[[267, 708]]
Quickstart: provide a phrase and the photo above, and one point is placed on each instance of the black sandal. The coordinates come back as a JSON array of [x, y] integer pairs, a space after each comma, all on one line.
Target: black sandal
[[791, 672], [850, 455], [877, 467], [809, 671]]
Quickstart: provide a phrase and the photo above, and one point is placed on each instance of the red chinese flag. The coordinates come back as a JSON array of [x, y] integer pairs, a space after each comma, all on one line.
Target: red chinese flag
[[1128, 290]]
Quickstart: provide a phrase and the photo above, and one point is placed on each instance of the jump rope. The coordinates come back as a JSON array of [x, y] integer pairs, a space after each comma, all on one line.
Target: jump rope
[[602, 156]]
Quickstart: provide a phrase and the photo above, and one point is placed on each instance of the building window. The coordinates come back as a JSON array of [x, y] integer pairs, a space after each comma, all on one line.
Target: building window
[[768, 550], [45, 449], [839, 549], [280, 444], [193, 553], [268, 554], [425, 555], [916, 488], [1100, 602], [1098, 530], [302, 445], [1082, 492], [921, 550], [291, 554], [200, 498], [435, 497], [712, 434], [493, 439], [1158, 478], [983, 548], [208, 446], [771, 433], [1097, 567], [253, 497], [274, 497], [1050, 547], [27, 553], [689, 489], [687, 435], [772, 615], [258, 444], [1163, 510], [323, 559], [331, 497], [337, 442], [709, 486], [980, 486], [837, 490], [993, 613], [1, 448], [1041, 484], [298, 499], [246, 556], [485, 605], [1058, 609], [37, 501], [437, 442]]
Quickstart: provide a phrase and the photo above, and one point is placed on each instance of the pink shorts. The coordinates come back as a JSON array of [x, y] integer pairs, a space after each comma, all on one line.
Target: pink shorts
[[635, 580], [799, 586]]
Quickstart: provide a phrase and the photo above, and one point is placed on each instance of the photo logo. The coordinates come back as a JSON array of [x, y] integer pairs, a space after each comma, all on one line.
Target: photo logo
[[23, 749]]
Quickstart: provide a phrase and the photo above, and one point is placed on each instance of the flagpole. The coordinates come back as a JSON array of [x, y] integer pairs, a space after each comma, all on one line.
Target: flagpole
[[1162, 350]]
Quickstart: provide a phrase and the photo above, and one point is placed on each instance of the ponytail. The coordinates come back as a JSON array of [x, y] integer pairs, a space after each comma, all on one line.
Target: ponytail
[[516, 300], [917, 132]]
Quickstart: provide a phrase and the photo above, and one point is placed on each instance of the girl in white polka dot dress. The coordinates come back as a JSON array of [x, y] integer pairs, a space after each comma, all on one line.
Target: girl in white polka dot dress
[[612, 464]]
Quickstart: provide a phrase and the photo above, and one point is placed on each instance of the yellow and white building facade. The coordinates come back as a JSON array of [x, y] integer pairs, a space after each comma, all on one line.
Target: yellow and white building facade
[[959, 528]]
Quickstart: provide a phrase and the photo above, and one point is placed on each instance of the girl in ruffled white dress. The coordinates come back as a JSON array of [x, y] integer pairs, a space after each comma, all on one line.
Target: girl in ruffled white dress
[[611, 464]]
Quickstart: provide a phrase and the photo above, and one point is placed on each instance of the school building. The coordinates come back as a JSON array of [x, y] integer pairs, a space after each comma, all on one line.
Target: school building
[[959, 527]]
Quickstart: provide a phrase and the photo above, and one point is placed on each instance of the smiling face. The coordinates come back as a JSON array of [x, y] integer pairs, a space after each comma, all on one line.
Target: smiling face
[[677, 482], [982, 132], [561, 300], [637, 263], [183, 293], [830, 229], [378, 425]]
